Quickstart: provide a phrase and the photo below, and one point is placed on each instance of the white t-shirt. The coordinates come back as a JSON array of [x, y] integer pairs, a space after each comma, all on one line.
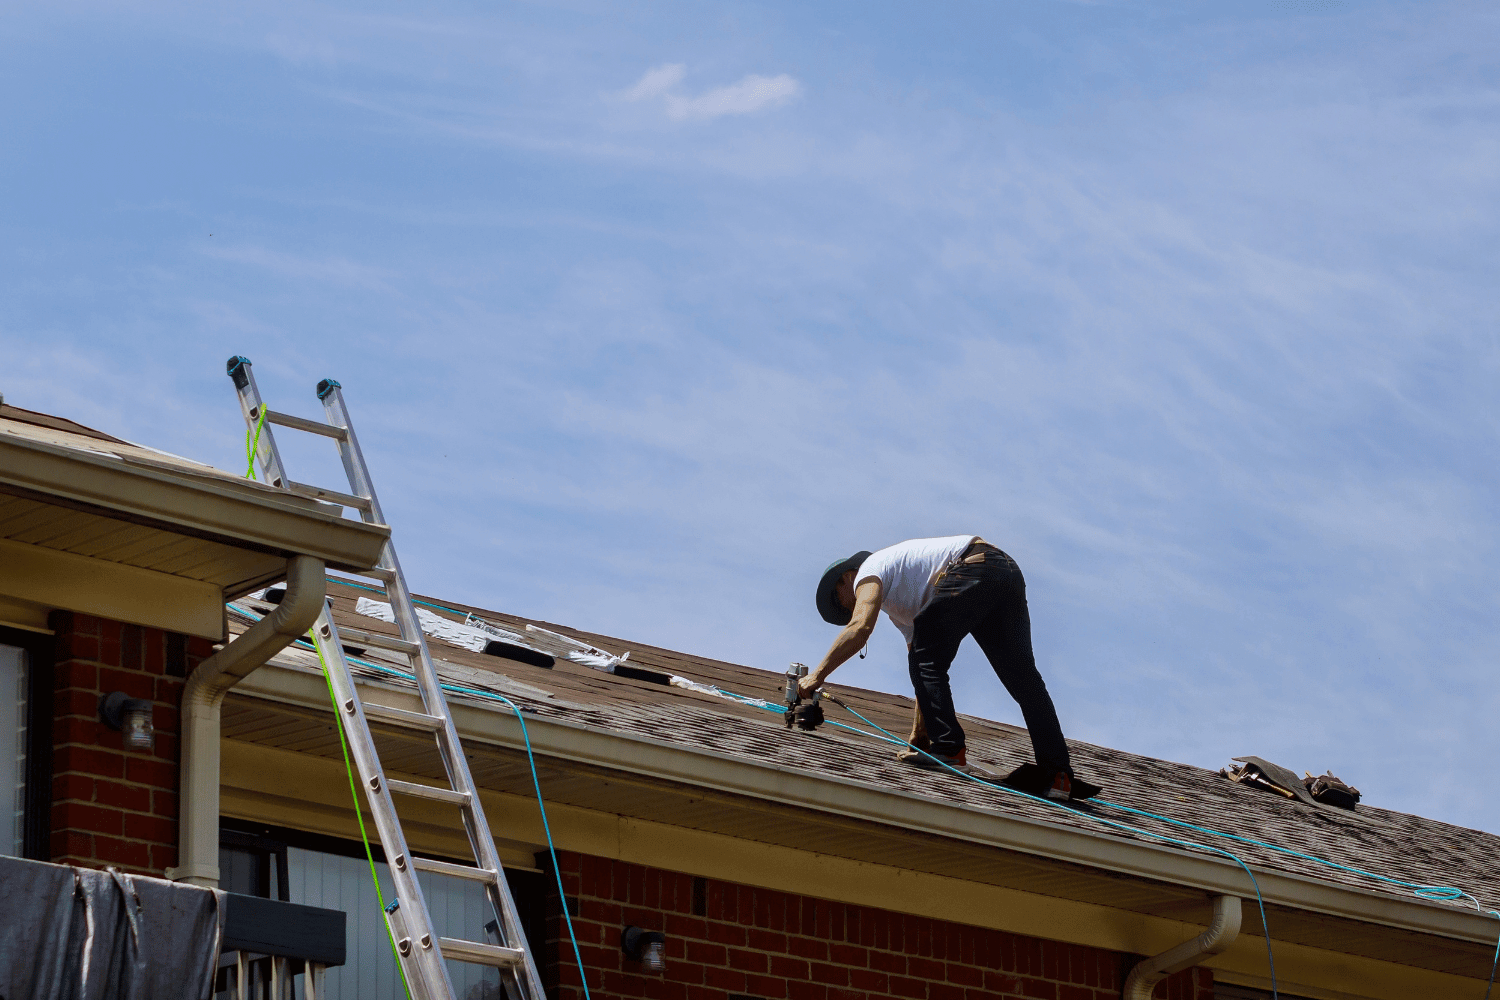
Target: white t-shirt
[[906, 572]]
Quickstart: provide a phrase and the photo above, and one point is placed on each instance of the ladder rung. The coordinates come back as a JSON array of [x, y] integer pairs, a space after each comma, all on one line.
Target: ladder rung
[[333, 496], [380, 641], [457, 871], [418, 943], [428, 792], [480, 954], [401, 717], [303, 424]]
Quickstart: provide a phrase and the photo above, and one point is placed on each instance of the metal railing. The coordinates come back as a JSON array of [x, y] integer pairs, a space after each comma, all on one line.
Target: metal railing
[[247, 975]]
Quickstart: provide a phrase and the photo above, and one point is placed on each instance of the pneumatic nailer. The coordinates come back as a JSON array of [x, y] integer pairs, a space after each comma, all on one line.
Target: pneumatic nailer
[[806, 714]]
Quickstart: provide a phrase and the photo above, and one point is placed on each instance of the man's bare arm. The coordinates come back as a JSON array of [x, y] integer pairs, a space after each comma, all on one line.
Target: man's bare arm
[[851, 640]]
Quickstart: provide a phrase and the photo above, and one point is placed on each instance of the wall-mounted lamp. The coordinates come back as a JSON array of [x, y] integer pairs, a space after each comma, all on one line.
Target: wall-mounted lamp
[[647, 947], [129, 716]]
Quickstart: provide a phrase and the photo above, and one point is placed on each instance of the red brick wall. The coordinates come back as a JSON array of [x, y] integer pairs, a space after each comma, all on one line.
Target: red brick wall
[[112, 806], [726, 940]]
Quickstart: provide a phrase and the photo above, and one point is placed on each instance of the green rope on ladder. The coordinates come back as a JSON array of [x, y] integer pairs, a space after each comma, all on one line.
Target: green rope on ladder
[[253, 446], [354, 794]]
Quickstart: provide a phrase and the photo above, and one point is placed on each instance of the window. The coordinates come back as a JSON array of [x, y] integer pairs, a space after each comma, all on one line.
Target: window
[[333, 873], [13, 691], [249, 862]]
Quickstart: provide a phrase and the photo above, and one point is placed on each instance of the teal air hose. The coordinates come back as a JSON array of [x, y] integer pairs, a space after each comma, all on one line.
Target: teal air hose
[[1430, 892], [1422, 891], [530, 759]]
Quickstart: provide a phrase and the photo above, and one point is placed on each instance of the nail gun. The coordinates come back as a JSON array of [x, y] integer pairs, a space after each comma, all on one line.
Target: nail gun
[[805, 714]]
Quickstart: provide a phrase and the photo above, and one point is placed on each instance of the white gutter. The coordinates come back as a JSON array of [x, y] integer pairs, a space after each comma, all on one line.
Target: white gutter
[[198, 811], [1141, 982]]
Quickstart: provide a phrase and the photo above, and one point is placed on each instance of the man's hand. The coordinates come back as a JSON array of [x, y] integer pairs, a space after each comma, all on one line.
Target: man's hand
[[807, 685]]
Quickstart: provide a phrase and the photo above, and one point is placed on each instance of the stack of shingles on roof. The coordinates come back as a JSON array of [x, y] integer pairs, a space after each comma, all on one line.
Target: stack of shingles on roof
[[1394, 844]]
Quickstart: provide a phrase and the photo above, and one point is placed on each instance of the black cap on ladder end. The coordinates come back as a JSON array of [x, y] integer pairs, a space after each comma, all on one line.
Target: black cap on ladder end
[[235, 367], [326, 386]]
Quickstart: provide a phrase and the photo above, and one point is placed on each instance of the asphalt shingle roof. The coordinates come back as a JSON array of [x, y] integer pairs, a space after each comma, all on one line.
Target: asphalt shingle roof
[[1381, 841]]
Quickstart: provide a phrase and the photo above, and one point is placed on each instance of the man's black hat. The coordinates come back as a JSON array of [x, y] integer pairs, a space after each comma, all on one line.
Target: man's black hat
[[828, 601]]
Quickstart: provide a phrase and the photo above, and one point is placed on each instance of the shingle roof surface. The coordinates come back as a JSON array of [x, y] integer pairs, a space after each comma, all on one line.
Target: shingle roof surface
[[1396, 845]]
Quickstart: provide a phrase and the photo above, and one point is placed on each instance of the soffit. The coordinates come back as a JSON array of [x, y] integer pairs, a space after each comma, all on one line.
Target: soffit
[[98, 536]]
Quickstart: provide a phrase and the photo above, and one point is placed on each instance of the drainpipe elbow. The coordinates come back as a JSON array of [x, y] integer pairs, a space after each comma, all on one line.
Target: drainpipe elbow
[[202, 696], [306, 591], [1220, 935]]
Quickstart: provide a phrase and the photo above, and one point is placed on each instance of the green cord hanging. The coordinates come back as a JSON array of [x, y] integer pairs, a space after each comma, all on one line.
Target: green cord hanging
[[253, 446], [354, 794]]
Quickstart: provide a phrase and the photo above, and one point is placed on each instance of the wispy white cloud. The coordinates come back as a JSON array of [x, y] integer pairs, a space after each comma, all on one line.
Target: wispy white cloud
[[751, 94], [655, 82], [307, 51]]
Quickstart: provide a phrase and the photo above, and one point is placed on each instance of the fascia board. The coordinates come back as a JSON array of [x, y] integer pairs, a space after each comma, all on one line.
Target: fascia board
[[829, 794], [243, 515]]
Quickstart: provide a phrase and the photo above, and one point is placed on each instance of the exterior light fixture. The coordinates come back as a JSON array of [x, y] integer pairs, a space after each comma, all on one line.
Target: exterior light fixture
[[647, 947], [131, 717]]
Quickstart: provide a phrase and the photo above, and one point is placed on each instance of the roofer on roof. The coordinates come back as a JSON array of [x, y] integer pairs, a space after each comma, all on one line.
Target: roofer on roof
[[936, 591]]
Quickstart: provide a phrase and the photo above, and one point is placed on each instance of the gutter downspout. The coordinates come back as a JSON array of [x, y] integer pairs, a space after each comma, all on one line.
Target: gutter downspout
[[1142, 980], [198, 810]]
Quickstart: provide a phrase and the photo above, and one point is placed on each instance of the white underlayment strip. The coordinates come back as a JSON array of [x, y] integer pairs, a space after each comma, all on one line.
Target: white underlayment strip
[[701, 688], [475, 633]]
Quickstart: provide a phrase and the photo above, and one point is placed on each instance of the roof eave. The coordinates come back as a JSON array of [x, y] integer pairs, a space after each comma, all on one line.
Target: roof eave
[[244, 515], [564, 740]]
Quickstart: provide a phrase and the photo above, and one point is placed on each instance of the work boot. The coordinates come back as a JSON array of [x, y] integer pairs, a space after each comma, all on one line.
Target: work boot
[[914, 750], [931, 761], [1061, 788]]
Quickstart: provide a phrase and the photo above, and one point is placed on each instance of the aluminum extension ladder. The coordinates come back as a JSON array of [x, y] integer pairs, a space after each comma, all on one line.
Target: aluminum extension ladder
[[421, 951]]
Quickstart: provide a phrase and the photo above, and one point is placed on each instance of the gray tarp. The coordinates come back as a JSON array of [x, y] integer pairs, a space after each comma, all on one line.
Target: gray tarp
[[79, 934]]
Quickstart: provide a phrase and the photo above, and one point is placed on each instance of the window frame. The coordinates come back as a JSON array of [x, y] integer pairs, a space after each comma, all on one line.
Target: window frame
[[36, 822], [531, 891]]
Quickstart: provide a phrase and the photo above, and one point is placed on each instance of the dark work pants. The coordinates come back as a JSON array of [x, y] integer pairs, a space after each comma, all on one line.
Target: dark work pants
[[988, 601]]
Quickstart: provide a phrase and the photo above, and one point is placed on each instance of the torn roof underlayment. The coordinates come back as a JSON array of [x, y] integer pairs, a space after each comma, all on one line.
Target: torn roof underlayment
[[668, 699]]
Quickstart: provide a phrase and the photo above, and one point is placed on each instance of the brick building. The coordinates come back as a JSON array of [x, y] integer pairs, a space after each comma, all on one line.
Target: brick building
[[110, 806], [743, 941], [773, 864]]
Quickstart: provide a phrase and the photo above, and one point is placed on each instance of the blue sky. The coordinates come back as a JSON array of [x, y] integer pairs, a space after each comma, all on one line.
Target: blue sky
[[648, 312]]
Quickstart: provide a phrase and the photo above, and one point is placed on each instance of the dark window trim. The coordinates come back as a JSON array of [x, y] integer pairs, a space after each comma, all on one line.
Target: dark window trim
[[266, 835], [268, 847], [41, 651], [530, 890]]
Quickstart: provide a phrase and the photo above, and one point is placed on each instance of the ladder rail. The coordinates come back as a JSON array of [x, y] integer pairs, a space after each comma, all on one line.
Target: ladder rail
[[420, 950], [252, 407], [422, 955], [455, 761]]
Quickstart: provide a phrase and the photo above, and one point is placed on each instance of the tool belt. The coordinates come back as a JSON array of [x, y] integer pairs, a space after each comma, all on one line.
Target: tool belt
[[978, 551]]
